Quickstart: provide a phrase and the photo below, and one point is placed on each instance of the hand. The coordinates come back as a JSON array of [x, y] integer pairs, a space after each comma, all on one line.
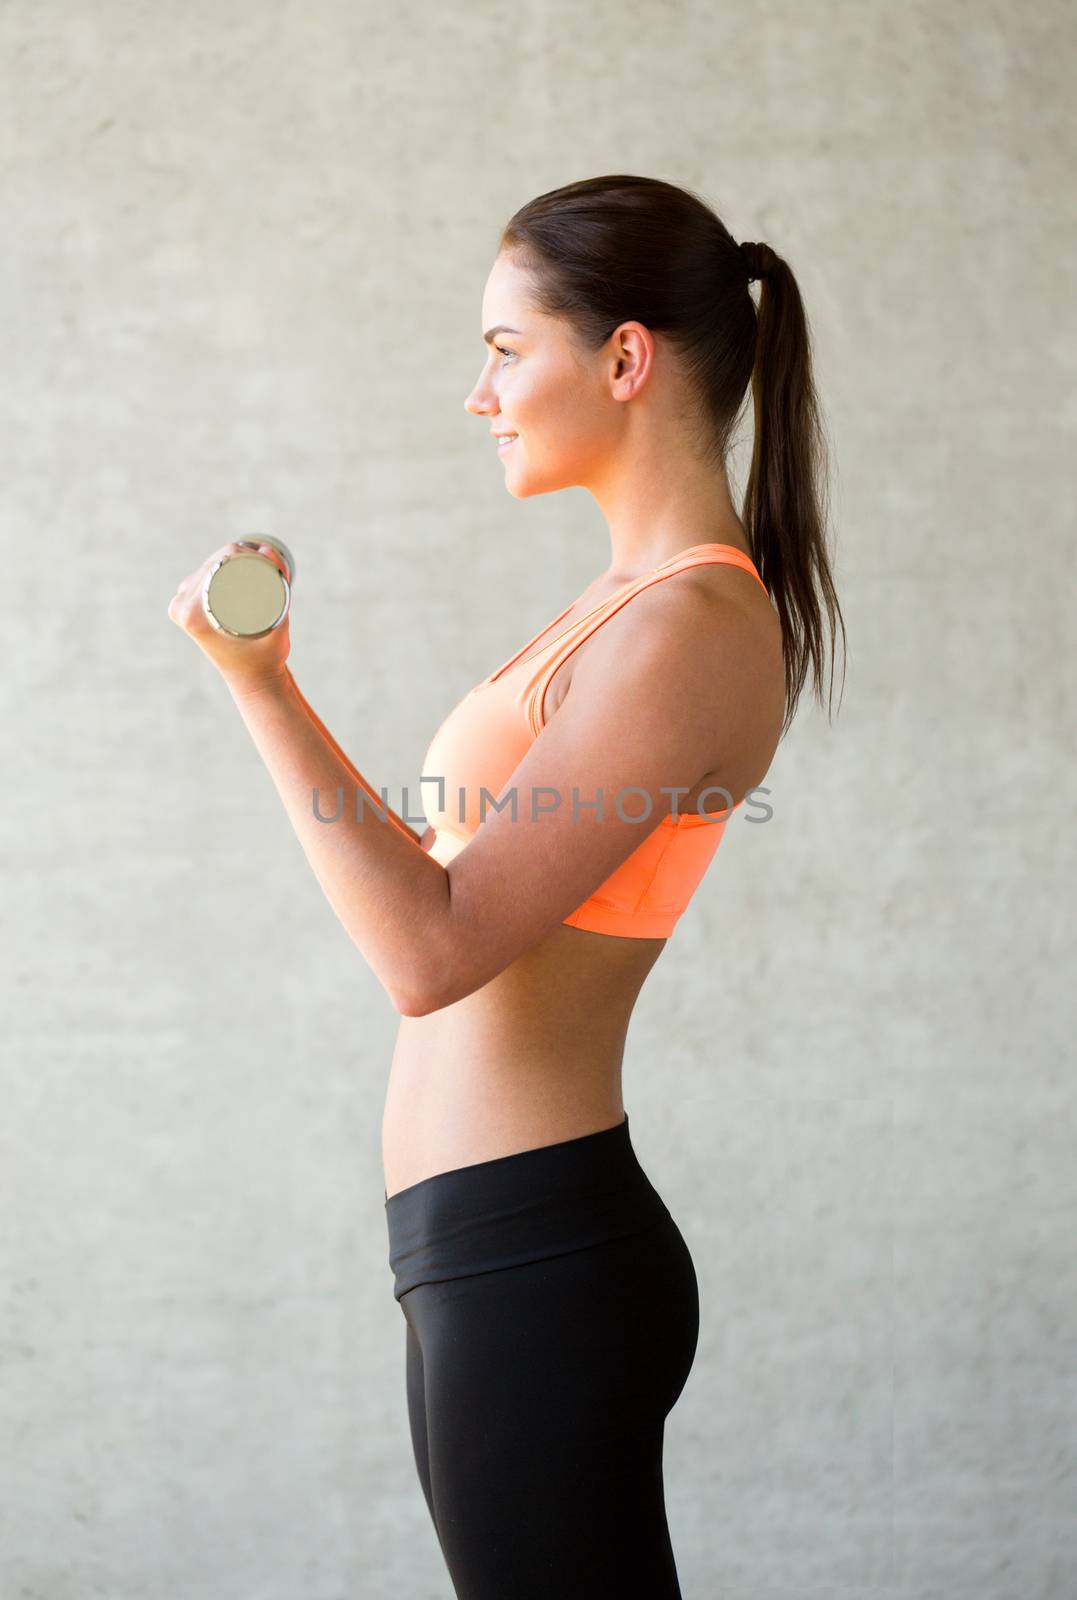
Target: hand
[[245, 663]]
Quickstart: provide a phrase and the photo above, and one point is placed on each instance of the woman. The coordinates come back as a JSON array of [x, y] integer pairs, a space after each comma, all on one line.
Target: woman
[[550, 1302]]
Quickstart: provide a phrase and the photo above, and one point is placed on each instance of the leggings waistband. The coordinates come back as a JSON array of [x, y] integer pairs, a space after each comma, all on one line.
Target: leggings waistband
[[518, 1208]]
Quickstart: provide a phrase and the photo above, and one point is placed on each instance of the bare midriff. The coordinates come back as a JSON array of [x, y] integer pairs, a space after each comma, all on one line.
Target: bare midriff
[[534, 1056], [531, 1058]]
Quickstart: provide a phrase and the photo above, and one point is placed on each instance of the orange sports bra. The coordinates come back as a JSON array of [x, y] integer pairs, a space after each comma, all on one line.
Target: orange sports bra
[[487, 734]]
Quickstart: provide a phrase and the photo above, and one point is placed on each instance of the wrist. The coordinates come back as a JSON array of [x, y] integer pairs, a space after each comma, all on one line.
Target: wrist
[[247, 685]]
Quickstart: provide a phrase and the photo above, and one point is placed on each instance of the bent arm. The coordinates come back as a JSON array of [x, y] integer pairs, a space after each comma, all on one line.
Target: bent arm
[[356, 775], [390, 895]]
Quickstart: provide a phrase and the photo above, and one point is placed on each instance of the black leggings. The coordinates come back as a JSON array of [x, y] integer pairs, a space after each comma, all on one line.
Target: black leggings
[[552, 1316]]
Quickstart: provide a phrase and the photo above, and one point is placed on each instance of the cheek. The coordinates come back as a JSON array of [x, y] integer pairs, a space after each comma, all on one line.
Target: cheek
[[575, 421], [538, 392], [553, 410], [555, 407]]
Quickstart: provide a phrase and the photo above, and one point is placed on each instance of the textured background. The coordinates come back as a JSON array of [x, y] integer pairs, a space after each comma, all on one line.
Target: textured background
[[241, 271]]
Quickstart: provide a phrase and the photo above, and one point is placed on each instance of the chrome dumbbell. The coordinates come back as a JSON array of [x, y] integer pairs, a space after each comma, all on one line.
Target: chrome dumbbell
[[245, 593]]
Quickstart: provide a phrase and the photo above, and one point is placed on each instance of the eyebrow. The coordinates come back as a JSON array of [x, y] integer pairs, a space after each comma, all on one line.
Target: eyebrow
[[501, 327]]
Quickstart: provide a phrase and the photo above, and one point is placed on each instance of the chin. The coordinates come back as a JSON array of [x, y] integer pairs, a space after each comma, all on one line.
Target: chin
[[523, 485], [518, 487]]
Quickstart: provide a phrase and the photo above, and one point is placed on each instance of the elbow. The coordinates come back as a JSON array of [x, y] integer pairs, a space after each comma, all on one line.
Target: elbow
[[428, 984], [449, 986], [419, 1001], [410, 1005], [438, 979]]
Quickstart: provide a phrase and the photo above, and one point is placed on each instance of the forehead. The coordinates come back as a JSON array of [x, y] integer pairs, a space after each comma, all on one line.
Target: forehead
[[504, 299]]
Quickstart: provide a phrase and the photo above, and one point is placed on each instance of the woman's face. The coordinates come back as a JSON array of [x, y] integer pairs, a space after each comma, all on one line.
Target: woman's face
[[538, 385]]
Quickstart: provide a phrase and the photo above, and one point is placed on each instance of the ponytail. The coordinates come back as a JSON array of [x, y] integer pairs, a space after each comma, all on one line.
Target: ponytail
[[783, 511]]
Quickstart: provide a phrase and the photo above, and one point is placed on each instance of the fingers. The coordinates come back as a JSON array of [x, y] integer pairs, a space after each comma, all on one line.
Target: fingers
[[194, 581], [274, 555]]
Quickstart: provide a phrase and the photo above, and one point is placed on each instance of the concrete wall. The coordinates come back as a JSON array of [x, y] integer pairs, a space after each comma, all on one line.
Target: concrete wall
[[240, 289]]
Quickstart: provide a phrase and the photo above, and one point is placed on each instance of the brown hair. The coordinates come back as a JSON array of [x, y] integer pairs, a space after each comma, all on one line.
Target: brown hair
[[609, 249]]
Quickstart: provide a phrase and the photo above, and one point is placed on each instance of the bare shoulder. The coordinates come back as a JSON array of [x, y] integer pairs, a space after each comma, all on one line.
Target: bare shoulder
[[744, 623], [705, 618], [717, 597], [713, 642]]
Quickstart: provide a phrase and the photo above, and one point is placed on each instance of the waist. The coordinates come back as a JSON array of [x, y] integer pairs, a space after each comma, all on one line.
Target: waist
[[523, 1207]]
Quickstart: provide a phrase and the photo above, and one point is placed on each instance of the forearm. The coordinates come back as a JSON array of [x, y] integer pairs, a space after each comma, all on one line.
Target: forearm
[[391, 896], [356, 776]]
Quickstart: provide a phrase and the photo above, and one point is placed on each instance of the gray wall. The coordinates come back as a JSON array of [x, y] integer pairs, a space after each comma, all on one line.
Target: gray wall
[[240, 289]]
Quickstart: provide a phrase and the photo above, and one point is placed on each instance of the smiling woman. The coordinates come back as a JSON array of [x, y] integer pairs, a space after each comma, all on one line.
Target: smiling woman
[[516, 1207], [550, 1302]]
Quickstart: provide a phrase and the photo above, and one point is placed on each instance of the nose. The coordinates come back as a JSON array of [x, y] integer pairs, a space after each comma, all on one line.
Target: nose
[[479, 402]]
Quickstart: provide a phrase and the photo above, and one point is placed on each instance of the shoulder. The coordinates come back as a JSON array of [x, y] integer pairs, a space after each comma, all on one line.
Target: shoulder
[[698, 650], [703, 620]]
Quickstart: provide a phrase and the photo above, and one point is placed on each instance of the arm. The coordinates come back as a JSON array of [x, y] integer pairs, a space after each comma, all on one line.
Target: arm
[[356, 775], [390, 895], [644, 710]]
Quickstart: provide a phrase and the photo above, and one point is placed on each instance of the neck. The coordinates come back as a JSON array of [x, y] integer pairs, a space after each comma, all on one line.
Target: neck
[[657, 502]]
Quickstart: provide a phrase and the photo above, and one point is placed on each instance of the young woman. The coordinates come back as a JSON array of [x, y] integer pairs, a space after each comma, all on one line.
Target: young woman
[[579, 792]]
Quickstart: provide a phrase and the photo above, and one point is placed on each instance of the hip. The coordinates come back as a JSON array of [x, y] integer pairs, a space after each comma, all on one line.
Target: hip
[[528, 1206]]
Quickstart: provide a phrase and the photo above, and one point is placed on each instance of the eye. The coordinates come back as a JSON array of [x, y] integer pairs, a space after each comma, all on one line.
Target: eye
[[502, 351]]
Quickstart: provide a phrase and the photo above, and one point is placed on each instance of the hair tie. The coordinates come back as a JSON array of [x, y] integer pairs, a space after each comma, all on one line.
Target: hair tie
[[752, 253]]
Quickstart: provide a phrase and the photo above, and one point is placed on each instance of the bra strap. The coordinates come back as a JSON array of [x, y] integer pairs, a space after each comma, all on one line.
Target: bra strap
[[698, 555]]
